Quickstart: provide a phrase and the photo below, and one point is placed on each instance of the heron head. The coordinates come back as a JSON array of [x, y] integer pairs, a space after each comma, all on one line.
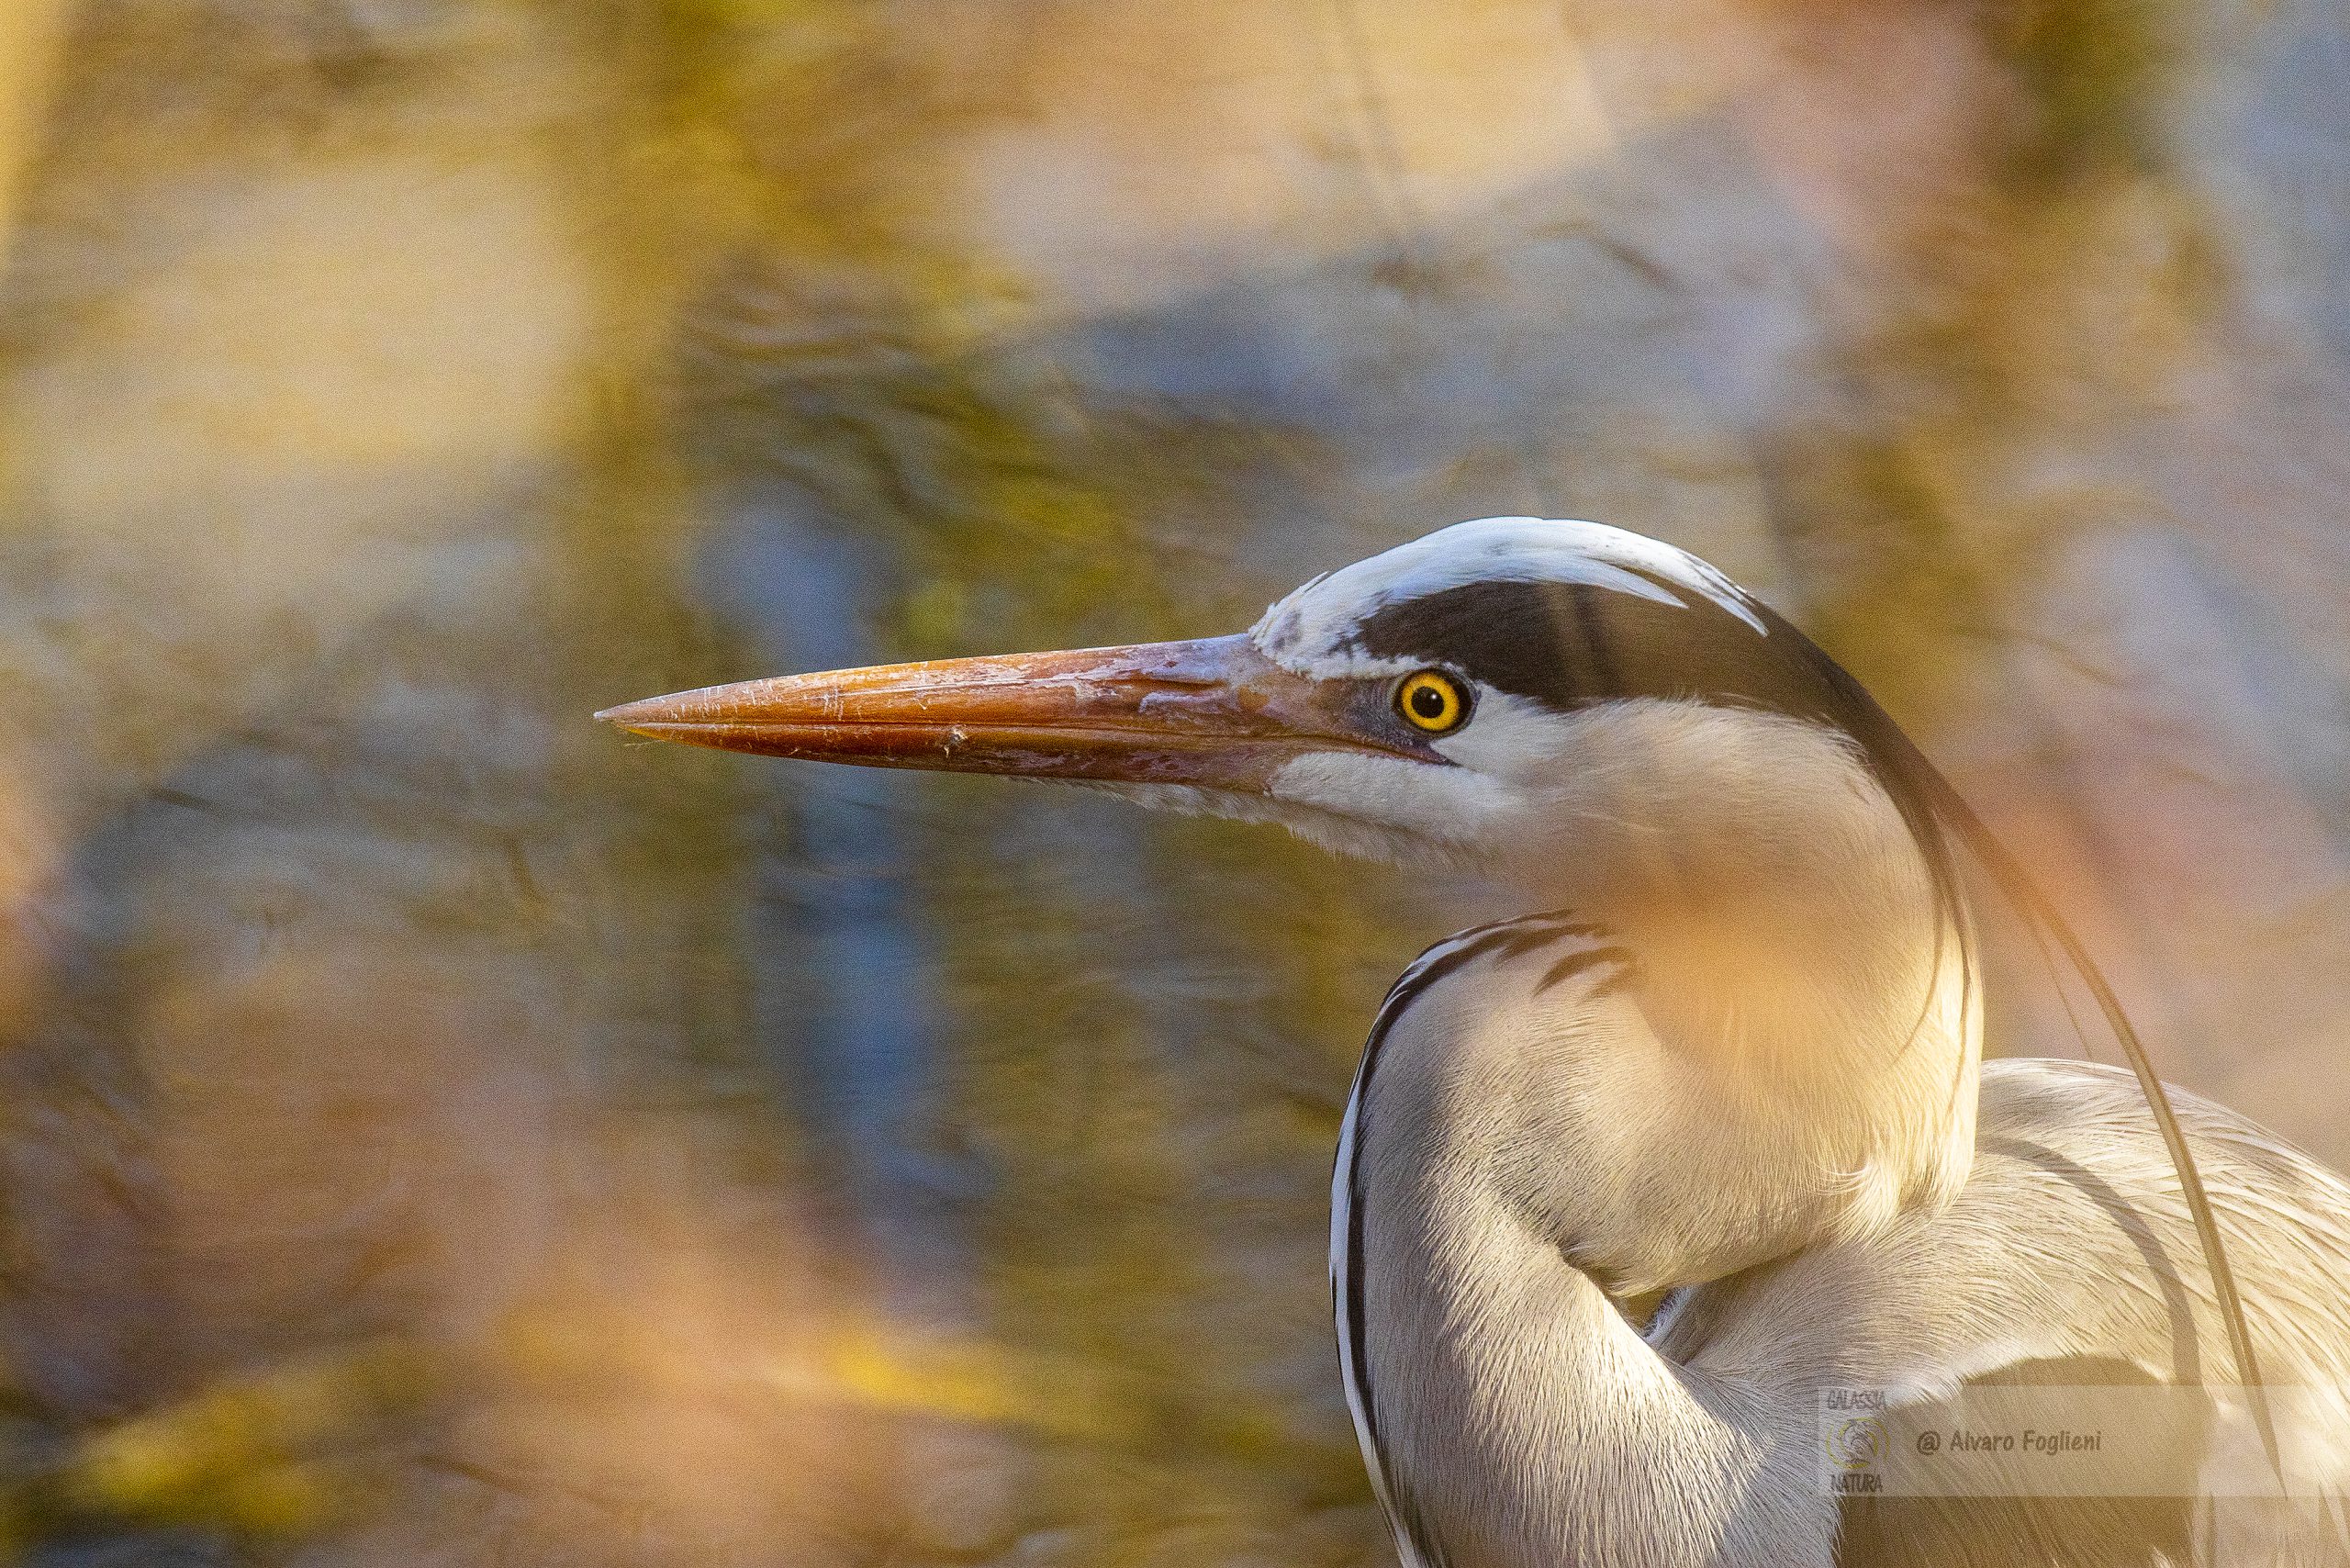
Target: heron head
[[1504, 694]]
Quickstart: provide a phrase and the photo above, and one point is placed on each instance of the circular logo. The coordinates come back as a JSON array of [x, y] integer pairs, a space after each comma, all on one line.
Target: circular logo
[[1856, 1442]]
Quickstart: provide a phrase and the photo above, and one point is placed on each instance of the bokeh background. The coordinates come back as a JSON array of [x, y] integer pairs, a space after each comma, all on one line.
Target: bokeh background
[[433, 1130]]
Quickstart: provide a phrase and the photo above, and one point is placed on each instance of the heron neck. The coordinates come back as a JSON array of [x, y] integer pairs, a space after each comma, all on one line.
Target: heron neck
[[1522, 1422], [1762, 1072], [1783, 1057]]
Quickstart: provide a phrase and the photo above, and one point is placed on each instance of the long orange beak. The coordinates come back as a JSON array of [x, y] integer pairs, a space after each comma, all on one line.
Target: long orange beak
[[1212, 711]]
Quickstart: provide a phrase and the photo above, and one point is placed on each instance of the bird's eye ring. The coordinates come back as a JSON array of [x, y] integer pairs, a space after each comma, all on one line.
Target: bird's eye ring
[[1432, 702]]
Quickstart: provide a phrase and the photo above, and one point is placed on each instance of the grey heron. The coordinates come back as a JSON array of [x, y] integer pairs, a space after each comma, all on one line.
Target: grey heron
[[1632, 1190]]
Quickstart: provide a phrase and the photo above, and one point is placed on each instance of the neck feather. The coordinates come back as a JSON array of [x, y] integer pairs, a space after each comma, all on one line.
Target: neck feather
[[1523, 1423]]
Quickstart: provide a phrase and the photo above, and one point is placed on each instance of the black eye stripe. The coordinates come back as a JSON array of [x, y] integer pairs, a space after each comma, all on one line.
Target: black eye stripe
[[1569, 644]]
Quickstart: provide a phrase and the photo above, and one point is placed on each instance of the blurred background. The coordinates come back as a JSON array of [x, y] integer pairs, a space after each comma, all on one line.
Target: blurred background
[[433, 1130]]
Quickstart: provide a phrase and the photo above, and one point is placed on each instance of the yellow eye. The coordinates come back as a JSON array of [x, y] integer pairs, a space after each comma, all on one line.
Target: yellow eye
[[1432, 700]]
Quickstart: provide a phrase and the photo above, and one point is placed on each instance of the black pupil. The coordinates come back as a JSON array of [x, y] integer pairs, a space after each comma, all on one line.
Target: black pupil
[[1428, 702]]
